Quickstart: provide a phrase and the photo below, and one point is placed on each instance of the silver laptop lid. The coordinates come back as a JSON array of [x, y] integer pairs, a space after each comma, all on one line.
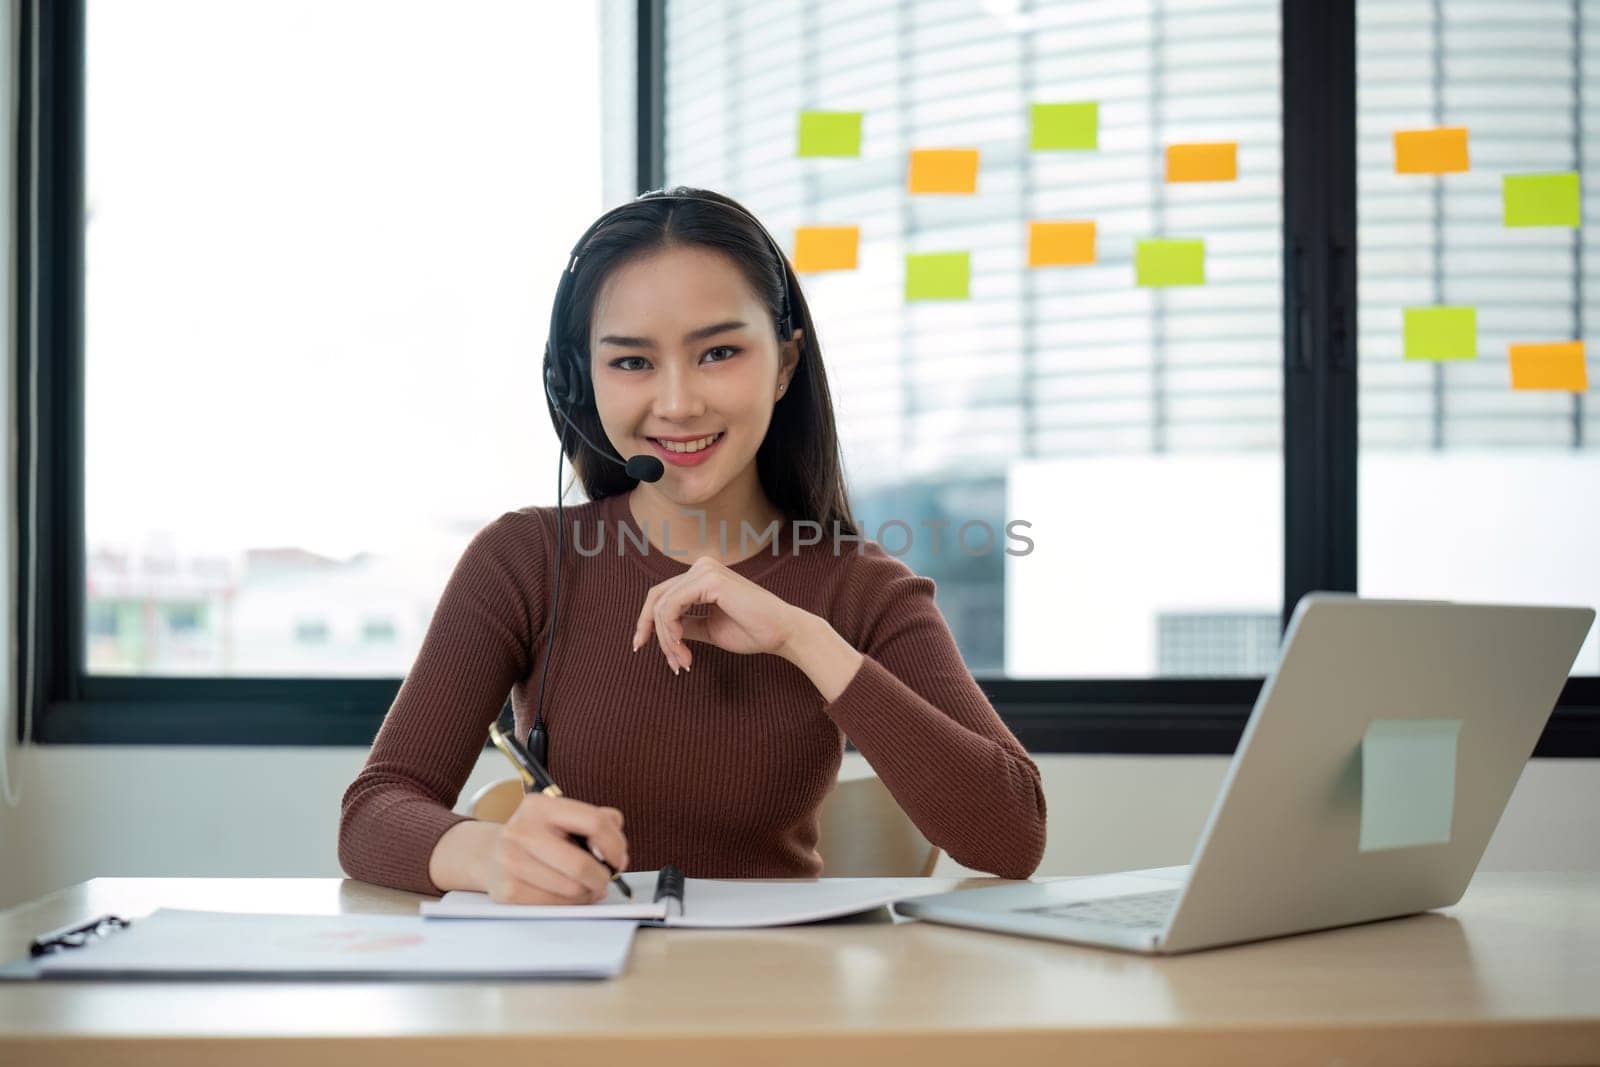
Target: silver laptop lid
[[1286, 849]]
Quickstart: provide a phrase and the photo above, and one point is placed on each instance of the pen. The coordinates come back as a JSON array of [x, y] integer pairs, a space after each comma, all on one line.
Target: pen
[[537, 780]]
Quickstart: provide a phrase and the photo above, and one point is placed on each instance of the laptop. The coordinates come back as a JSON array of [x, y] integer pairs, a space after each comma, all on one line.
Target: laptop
[[1375, 765]]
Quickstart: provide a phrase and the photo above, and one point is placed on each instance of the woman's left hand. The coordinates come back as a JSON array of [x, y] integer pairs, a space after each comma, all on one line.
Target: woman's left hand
[[744, 617]]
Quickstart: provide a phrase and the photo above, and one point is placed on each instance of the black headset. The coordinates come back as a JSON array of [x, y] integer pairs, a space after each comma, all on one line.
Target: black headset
[[566, 385]]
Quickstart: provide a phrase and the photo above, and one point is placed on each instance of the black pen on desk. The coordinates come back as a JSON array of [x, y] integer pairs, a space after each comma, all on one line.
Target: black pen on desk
[[536, 779]]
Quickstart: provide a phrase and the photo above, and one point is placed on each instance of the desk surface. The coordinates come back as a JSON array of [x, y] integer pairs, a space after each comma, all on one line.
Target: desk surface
[[1511, 974]]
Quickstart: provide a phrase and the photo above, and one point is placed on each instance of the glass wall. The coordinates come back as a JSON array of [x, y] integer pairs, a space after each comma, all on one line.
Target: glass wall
[[1479, 472], [321, 243], [1131, 417]]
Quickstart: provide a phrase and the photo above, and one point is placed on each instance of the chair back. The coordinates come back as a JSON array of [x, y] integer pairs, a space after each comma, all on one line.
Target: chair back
[[496, 801], [863, 833]]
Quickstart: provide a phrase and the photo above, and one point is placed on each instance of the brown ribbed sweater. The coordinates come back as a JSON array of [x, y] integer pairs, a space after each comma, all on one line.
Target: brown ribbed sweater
[[720, 769]]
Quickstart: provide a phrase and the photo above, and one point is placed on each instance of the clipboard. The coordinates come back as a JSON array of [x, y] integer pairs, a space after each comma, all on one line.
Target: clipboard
[[191, 945]]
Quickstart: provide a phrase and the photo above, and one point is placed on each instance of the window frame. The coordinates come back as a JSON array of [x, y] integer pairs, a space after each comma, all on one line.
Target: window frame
[[1166, 716]]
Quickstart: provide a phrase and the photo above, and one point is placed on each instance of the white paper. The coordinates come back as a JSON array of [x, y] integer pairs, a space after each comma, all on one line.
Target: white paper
[[227, 944], [709, 902]]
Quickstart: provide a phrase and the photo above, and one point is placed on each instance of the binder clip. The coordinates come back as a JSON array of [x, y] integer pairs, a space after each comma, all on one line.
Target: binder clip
[[75, 936]]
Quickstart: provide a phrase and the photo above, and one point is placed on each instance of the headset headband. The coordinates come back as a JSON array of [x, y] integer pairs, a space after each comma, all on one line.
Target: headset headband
[[564, 382]]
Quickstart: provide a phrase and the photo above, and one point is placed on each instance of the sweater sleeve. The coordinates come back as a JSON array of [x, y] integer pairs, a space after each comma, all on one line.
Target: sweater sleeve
[[476, 647], [918, 716]]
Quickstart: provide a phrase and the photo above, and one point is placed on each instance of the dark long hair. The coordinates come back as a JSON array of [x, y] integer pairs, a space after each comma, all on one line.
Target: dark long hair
[[799, 463]]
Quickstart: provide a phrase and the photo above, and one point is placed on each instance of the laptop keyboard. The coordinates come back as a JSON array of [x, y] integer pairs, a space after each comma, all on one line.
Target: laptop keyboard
[[1139, 909]]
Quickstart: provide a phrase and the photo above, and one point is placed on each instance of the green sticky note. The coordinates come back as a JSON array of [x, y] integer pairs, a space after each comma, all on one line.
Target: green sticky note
[[1408, 782], [1541, 199], [1441, 333], [1065, 126], [830, 133], [938, 276], [1160, 262]]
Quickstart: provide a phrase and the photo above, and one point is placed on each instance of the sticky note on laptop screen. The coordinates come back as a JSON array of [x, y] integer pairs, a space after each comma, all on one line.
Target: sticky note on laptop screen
[[1408, 782]]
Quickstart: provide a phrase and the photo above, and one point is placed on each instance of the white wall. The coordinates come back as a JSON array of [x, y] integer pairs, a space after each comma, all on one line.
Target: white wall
[[232, 812]]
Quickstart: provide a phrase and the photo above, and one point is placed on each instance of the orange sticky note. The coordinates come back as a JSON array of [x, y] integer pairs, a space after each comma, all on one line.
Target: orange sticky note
[[944, 170], [1439, 151], [1060, 244], [826, 248], [1549, 366], [1210, 162]]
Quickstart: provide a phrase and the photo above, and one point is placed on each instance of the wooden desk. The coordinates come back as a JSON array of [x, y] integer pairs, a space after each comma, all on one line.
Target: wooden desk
[[1511, 975]]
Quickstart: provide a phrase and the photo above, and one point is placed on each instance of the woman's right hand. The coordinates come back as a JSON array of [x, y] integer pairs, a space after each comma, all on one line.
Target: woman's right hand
[[533, 861]]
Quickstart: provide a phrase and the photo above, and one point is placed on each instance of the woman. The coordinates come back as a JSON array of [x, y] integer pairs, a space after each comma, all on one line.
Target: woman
[[708, 700]]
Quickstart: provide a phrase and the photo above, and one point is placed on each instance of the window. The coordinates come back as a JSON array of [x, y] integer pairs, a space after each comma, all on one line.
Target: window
[[1471, 489], [319, 242], [1137, 430], [300, 315]]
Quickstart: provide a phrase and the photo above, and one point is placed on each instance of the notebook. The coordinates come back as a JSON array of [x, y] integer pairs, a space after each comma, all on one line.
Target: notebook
[[667, 898], [175, 943]]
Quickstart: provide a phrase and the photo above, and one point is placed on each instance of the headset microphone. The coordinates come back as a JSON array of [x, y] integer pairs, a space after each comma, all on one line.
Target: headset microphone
[[644, 468]]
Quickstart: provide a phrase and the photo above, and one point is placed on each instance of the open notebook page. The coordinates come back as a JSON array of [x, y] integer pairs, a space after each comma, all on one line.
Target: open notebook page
[[709, 902]]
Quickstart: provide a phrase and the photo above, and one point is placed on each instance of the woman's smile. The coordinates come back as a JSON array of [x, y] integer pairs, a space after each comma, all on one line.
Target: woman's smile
[[687, 452]]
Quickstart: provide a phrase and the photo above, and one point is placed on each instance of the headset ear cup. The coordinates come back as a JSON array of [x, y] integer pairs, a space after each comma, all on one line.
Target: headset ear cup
[[575, 386], [554, 382], [551, 381], [575, 391], [567, 388]]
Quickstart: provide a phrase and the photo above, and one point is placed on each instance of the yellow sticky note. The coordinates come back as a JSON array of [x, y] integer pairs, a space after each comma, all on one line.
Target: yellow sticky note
[[1064, 127], [1209, 162], [938, 276], [1439, 151], [1542, 199], [1408, 782], [1169, 262], [943, 170], [1441, 333], [830, 133], [1060, 244], [826, 248], [1549, 366]]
